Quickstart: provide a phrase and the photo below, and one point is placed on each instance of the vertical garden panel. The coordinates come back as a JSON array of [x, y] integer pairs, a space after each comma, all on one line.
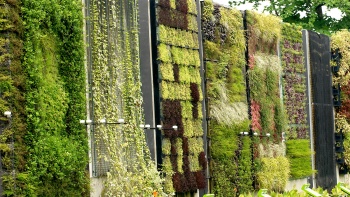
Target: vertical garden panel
[[180, 92], [295, 97], [340, 43], [120, 152], [267, 112], [224, 56], [55, 99], [12, 85]]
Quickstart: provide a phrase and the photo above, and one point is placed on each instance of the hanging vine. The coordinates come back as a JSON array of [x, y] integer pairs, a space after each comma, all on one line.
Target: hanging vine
[[116, 89]]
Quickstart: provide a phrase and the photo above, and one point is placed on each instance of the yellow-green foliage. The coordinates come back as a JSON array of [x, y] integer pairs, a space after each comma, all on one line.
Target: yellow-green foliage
[[184, 56], [198, 129], [166, 71], [292, 32], [192, 8], [170, 90], [274, 173], [186, 109], [341, 123], [196, 145], [192, 23], [164, 53], [189, 74], [299, 155], [346, 145], [194, 163], [173, 4], [266, 27], [177, 37], [166, 146], [341, 40], [232, 20], [208, 9]]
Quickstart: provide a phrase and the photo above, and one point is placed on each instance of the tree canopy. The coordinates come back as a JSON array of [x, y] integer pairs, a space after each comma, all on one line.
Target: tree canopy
[[310, 14]]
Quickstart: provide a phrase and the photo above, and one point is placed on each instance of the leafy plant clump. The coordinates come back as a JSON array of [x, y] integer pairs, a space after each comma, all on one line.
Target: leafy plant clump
[[299, 154]]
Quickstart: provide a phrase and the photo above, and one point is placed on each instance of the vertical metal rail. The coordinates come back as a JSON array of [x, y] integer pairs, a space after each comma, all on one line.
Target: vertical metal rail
[[205, 108], [309, 101], [245, 26], [89, 93], [147, 73], [157, 99]]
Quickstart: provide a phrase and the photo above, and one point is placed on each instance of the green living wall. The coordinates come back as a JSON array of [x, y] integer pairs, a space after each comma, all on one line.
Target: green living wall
[[53, 63], [268, 115], [12, 86], [224, 55], [340, 41], [294, 91], [181, 96], [119, 151]]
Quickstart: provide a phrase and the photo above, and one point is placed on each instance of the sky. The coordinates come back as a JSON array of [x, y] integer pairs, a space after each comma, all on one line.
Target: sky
[[334, 13]]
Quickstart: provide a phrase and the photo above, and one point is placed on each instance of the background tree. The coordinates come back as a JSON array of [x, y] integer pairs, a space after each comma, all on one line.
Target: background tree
[[310, 14]]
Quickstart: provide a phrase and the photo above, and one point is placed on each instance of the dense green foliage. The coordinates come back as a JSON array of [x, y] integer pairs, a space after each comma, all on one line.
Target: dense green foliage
[[274, 173], [12, 86], [299, 155], [55, 99], [308, 14]]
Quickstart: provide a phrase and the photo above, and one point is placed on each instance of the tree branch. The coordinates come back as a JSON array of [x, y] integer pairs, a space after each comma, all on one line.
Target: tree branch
[[319, 11], [273, 4]]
